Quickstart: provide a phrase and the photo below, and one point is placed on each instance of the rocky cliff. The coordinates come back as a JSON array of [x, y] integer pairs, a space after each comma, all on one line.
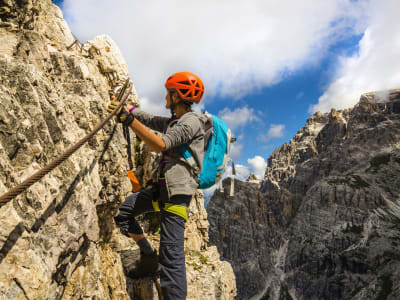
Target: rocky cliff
[[324, 222], [58, 239]]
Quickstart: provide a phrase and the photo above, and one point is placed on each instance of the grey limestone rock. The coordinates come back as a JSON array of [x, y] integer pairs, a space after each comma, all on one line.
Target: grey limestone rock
[[324, 224], [58, 239]]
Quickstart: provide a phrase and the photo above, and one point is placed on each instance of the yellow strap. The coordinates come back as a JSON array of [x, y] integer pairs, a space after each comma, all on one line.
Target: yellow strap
[[155, 205], [177, 209]]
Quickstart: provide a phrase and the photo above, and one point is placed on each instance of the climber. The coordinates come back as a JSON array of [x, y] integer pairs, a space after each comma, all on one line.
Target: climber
[[174, 181]]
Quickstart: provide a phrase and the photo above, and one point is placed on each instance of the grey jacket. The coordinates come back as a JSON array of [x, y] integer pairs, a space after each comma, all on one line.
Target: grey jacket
[[188, 129]]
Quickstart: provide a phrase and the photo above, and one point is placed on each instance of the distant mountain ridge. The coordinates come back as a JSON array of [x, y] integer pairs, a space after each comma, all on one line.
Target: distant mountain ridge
[[325, 221]]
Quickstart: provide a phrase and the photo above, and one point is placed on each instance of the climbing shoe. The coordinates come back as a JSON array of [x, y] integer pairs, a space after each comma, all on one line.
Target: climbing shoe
[[147, 265]]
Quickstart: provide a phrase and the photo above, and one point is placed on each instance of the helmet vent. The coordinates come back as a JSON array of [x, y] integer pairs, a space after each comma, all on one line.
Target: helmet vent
[[188, 85]]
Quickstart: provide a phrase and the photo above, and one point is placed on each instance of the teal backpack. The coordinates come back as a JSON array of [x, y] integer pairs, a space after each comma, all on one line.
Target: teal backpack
[[217, 139]]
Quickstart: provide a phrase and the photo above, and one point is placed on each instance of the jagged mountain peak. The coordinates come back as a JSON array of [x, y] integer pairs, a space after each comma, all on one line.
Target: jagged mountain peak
[[324, 222]]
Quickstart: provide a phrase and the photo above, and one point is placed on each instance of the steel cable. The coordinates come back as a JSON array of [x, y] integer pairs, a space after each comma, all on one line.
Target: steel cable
[[15, 191]]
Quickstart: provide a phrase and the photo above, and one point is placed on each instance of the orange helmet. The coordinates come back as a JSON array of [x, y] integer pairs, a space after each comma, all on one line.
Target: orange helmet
[[188, 86]]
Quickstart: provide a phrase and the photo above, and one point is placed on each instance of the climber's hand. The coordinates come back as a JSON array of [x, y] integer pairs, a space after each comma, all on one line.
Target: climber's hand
[[122, 115], [113, 105]]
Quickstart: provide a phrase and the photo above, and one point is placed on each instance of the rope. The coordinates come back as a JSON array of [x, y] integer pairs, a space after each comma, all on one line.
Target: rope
[[12, 193], [128, 146]]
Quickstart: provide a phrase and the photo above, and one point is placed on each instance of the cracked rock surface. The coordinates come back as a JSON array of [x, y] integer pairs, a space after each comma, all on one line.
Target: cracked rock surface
[[58, 239]]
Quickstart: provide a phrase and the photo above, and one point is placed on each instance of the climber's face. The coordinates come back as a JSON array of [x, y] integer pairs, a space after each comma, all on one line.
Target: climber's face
[[170, 97]]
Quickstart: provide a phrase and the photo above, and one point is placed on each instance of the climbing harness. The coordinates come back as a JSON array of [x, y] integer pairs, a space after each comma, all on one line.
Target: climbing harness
[[176, 209], [13, 192]]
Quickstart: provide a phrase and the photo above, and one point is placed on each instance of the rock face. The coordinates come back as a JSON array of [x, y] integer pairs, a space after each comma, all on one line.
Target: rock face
[[207, 276], [58, 239], [324, 223]]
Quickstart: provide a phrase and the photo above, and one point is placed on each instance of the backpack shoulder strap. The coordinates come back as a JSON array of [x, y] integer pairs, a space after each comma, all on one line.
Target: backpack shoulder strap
[[184, 149], [208, 130]]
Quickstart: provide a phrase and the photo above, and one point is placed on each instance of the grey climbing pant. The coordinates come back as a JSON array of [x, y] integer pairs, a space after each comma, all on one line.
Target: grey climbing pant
[[171, 252]]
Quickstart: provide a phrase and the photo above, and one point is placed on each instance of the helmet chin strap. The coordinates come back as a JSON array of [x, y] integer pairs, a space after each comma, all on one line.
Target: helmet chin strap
[[172, 106]]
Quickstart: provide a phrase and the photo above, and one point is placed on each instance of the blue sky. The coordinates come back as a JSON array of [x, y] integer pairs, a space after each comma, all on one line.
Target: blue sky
[[266, 65], [287, 102]]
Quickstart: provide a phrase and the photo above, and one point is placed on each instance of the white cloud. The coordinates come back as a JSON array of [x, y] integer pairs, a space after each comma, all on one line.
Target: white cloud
[[274, 131], [238, 117], [257, 165], [156, 108], [375, 67], [208, 193], [236, 57], [235, 150], [242, 173]]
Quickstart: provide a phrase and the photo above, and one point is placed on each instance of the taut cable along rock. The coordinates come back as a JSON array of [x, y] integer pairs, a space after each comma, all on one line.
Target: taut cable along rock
[[15, 191]]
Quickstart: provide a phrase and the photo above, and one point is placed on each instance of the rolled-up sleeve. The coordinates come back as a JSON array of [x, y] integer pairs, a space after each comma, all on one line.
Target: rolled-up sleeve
[[182, 133]]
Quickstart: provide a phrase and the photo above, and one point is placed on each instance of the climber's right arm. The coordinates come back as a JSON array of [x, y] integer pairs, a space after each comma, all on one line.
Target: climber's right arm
[[155, 142], [154, 122]]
